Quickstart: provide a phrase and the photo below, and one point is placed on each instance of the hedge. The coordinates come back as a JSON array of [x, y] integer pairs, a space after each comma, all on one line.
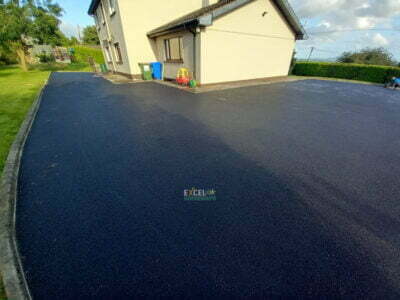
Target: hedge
[[370, 73], [82, 54]]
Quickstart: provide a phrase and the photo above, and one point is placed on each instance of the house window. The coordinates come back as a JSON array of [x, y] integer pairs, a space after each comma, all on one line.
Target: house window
[[97, 22], [111, 5], [98, 17], [173, 50], [102, 16], [118, 53], [107, 51]]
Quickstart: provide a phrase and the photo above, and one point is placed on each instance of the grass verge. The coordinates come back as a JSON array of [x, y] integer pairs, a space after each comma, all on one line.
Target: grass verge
[[19, 92], [334, 79]]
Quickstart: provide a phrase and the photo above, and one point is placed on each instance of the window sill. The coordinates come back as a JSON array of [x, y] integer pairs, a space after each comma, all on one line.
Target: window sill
[[112, 13], [174, 61]]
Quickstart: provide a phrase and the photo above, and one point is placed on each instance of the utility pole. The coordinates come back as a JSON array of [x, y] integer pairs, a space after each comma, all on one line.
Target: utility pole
[[79, 34], [311, 52]]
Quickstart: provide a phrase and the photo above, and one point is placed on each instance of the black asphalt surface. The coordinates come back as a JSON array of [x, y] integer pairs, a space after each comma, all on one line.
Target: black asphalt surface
[[307, 178]]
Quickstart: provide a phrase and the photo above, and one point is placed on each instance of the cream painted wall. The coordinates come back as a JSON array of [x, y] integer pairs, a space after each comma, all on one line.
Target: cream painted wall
[[171, 69], [141, 16], [245, 45]]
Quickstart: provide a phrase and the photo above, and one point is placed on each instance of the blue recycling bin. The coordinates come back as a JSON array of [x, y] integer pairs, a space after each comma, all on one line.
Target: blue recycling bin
[[157, 70]]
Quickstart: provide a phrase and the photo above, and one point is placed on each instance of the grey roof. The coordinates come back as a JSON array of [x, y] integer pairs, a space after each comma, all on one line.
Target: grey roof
[[204, 17], [93, 7]]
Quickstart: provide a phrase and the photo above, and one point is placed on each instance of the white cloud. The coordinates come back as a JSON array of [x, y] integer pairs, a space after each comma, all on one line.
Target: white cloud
[[380, 40], [366, 22], [343, 25], [349, 13], [314, 8]]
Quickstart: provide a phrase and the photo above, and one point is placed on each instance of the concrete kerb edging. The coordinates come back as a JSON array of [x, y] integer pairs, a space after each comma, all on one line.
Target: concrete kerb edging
[[10, 262]]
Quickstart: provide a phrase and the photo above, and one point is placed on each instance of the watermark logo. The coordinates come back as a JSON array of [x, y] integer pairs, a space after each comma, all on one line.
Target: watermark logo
[[200, 195]]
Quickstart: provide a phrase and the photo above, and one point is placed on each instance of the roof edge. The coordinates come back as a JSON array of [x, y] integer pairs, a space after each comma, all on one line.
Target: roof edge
[[93, 7], [221, 11], [292, 19], [203, 20], [185, 25]]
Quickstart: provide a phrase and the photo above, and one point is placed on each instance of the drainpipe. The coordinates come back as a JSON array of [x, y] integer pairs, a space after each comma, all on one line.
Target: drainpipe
[[109, 36], [194, 32]]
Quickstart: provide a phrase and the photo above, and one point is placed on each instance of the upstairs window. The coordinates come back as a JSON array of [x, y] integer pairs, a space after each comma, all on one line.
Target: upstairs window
[[174, 49], [97, 22], [107, 51], [111, 5], [118, 53], [101, 14]]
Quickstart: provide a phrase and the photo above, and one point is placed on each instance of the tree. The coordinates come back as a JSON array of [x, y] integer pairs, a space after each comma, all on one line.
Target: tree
[[73, 41], [24, 21], [369, 56], [90, 36]]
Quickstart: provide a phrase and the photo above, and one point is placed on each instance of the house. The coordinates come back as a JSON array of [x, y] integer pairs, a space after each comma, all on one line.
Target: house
[[218, 41]]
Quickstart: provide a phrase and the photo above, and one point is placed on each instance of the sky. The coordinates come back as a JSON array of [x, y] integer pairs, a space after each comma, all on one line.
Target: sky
[[333, 26], [75, 13]]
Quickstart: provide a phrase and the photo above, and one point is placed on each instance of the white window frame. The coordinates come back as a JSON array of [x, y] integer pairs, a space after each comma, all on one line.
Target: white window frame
[[102, 13], [96, 21], [118, 53], [111, 7], [167, 48], [107, 51]]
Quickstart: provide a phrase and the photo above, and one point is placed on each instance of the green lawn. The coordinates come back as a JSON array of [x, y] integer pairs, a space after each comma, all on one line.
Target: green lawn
[[17, 93], [19, 90]]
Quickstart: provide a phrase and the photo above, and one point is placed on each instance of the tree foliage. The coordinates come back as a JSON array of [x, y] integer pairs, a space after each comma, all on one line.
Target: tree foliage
[[369, 56], [90, 36], [24, 21]]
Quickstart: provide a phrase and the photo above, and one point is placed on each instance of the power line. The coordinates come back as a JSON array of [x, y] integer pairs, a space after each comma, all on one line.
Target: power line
[[351, 30], [321, 50]]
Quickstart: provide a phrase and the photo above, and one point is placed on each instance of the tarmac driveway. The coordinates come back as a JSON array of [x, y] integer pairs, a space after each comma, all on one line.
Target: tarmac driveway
[[306, 176]]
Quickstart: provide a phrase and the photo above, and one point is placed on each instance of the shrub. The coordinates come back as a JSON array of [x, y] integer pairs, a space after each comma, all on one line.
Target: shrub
[[46, 58], [7, 58], [370, 73]]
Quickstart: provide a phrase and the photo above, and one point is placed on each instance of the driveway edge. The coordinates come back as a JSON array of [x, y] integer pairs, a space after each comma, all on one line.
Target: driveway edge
[[10, 262]]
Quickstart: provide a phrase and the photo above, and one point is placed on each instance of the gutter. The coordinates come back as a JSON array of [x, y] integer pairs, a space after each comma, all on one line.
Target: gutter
[[292, 18], [204, 20], [93, 7], [184, 26]]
